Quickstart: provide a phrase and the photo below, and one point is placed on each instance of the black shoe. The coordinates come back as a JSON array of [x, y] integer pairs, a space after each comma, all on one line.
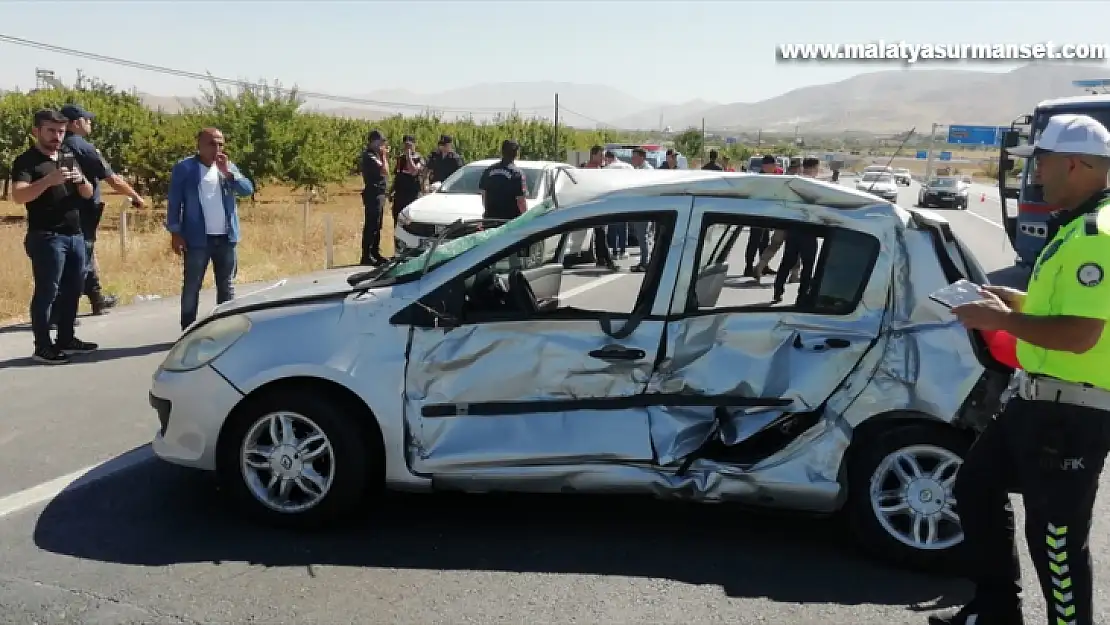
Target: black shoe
[[77, 346], [50, 355], [768, 271], [777, 298], [101, 305], [638, 269]]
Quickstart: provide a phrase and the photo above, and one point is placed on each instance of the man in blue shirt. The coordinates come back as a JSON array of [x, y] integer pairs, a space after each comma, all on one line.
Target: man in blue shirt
[[96, 168], [203, 219]]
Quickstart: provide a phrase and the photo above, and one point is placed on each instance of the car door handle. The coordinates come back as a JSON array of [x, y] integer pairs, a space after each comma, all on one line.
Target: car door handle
[[821, 346], [616, 352]]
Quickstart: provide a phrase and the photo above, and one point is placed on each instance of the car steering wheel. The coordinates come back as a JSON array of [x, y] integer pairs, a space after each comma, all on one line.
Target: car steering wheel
[[521, 292]]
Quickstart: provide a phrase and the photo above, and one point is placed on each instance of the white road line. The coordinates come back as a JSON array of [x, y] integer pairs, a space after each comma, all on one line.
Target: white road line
[[982, 218], [593, 284], [46, 491]]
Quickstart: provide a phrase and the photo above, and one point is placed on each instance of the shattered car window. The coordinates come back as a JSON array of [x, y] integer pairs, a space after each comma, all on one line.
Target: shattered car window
[[451, 249]]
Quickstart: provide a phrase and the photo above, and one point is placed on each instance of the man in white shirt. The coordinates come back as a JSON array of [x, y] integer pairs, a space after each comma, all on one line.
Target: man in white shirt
[[203, 219], [612, 162]]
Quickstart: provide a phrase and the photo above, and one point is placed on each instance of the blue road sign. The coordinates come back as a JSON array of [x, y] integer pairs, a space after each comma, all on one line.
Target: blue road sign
[[945, 156], [975, 135], [730, 140], [922, 154]]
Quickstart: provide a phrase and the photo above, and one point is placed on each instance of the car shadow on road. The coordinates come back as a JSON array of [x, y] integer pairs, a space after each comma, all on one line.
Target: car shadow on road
[[100, 355], [155, 514]]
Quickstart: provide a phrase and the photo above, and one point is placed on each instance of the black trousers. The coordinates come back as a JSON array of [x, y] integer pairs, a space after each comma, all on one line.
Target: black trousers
[[797, 247], [401, 200], [758, 240], [373, 205], [601, 247], [1052, 454]]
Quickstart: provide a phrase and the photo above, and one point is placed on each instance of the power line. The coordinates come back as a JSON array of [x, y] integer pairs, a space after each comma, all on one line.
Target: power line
[[242, 83], [563, 109]]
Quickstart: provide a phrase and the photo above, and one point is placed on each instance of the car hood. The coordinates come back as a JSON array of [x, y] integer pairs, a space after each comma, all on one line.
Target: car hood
[[290, 290], [445, 208]]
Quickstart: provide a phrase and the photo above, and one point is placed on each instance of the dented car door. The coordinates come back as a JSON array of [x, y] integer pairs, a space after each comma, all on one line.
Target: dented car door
[[800, 353], [556, 386]]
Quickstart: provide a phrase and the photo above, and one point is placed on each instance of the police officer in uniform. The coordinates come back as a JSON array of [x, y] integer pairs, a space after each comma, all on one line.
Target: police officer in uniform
[[444, 161], [375, 177], [1051, 438], [94, 166], [800, 246], [503, 186]]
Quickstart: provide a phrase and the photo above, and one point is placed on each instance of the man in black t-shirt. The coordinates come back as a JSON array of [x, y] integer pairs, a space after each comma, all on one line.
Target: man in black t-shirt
[[49, 182], [504, 189], [375, 177], [672, 160], [444, 161]]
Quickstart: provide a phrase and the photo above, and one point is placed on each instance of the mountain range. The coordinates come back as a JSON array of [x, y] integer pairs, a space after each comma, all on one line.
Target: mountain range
[[877, 102]]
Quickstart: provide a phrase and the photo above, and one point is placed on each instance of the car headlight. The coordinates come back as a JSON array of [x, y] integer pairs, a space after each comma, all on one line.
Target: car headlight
[[206, 343]]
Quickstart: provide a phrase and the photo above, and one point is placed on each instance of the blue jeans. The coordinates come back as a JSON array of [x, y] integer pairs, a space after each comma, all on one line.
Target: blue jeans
[[221, 253], [618, 237], [640, 229], [58, 268]]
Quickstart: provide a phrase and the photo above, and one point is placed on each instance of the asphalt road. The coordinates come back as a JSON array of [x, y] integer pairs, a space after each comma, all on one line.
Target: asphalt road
[[137, 541]]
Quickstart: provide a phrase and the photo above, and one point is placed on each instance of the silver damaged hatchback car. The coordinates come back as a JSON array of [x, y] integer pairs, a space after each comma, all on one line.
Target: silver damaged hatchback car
[[486, 365]]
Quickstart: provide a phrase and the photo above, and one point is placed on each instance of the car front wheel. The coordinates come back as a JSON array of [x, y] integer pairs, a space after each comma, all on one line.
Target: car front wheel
[[296, 459], [900, 499]]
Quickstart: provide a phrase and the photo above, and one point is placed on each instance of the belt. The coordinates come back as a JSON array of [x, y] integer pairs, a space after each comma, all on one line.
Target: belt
[[1034, 387]]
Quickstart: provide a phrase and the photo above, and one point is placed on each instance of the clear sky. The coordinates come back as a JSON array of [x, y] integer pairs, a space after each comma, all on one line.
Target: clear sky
[[670, 51]]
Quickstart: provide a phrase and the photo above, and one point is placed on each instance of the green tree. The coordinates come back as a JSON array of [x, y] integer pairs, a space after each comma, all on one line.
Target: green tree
[[690, 142]]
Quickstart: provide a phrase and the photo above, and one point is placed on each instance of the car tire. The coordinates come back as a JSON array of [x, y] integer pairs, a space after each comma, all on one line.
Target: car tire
[[356, 457], [870, 460]]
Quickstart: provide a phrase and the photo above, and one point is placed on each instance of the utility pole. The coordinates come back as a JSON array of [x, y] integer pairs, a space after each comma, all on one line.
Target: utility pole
[[932, 152], [556, 125], [702, 139]]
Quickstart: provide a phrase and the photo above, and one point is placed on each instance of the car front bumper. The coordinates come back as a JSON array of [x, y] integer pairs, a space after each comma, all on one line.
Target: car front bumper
[[191, 407], [942, 200]]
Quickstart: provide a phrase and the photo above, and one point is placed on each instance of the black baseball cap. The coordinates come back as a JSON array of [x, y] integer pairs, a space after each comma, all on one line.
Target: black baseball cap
[[74, 112], [509, 144], [445, 139], [375, 135], [408, 139], [670, 152]]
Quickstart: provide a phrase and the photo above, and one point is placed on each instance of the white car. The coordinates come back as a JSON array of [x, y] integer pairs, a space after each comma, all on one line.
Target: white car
[[879, 183], [902, 176], [458, 199]]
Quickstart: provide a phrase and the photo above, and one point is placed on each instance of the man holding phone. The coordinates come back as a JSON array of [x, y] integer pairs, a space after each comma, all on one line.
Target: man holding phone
[[47, 180], [375, 180], [202, 216]]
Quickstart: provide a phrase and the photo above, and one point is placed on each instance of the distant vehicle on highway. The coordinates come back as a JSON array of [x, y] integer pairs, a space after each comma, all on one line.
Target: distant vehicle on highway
[[944, 192], [1028, 230], [656, 154], [878, 183], [458, 198], [902, 176], [461, 368]]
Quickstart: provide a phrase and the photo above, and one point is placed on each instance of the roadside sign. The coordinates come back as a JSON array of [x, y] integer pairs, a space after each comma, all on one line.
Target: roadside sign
[[945, 156], [730, 140], [976, 135], [922, 154]]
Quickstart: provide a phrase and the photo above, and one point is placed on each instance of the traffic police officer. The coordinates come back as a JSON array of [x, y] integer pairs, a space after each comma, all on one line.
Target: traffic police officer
[[1051, 438], [504, 187], [444, 161]]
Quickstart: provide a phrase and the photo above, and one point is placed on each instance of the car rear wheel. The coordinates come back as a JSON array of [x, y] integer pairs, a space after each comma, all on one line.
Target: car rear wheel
[[296, 459], [900, 502]]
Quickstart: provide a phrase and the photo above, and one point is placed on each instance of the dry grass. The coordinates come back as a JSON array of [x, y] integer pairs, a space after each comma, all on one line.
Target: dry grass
[[275, 244]]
